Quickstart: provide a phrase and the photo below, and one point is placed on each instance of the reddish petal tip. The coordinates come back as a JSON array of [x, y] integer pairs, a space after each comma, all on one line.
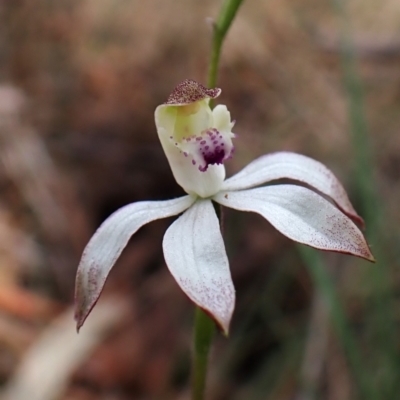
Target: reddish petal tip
[[82, 311], [222, 325]]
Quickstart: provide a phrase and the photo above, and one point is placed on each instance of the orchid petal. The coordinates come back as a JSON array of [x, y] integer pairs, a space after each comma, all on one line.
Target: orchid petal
[[107, 243], [286, 165], [303, 216], [222, 119], [195, 254]]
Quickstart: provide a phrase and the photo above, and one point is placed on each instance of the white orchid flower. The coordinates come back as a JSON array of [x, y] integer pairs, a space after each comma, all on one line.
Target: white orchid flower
[[197, 141]]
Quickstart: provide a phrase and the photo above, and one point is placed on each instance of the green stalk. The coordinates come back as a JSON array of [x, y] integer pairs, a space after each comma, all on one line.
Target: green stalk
[[204, 326], [220, 29]]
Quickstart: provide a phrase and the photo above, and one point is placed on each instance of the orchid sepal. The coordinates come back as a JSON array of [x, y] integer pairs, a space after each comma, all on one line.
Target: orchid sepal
[[195, 254], [297, 167], [107, 243], [303, 216]]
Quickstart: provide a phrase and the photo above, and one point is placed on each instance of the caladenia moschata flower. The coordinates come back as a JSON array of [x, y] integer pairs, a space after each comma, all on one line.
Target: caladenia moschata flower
[[314, 210]]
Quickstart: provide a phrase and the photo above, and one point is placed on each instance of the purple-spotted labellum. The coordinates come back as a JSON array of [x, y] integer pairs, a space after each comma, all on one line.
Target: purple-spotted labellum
[[197, 141]]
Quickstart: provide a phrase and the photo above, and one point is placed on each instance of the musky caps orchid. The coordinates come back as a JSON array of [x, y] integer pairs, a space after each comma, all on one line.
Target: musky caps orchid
[[197, 141]]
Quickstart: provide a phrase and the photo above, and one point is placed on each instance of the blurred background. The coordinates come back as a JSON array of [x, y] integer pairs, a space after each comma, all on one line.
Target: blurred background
[[79, 82]]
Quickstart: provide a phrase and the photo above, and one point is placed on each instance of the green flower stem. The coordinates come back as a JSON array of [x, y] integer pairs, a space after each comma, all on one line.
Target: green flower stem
[[204, 328], [220, 29]]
